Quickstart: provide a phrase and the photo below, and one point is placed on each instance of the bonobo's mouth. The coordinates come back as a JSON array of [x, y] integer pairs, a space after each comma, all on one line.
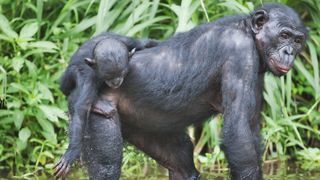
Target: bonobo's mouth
[[279, 67]]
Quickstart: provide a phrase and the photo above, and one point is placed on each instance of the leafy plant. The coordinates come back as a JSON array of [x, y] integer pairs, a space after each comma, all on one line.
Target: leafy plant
[[37, 39]]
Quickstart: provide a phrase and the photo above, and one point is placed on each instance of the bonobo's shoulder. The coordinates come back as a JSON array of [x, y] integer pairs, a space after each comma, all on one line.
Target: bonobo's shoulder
[[238, 39], [230, 20]]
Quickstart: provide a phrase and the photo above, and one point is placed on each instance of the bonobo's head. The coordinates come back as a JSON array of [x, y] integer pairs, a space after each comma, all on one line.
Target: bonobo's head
[[111, 60], [280, 36]]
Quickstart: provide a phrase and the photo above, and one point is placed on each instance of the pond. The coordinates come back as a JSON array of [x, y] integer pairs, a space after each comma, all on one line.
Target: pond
[[275, 170]]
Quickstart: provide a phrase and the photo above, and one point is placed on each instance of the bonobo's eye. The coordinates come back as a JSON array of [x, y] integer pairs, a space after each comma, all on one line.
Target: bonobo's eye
[[285, 35], [298, 40], [108, 77]]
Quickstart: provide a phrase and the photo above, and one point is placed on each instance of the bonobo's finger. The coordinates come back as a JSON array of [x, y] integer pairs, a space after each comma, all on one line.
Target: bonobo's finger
[[57, 169], [61, 170], [58, 163], [65, 173], [109, 113]]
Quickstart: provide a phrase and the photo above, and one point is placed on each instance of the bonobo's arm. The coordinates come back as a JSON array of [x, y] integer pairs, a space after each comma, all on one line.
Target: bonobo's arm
[[146, 43], [86, 94], [132, 43], [67, 81], [241, 103]]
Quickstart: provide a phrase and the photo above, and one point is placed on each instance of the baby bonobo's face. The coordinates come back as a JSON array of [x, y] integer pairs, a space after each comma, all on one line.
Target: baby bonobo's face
[[112, 71], [112, 59], [115, 80]]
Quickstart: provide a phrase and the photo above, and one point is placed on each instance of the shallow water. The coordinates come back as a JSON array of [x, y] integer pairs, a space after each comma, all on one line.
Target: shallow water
[[275, 170]]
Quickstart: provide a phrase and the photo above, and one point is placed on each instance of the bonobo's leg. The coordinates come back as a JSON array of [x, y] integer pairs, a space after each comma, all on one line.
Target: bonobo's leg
[[173, 151], [102, 147], [255, 122], [240, 149], [240, 129]]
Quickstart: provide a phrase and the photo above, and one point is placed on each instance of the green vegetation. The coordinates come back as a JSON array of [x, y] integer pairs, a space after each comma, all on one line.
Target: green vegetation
[[38, 37]]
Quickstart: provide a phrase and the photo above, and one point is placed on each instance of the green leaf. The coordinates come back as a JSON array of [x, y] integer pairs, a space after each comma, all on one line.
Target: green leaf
[[17, 63], [46, 45], [48, 130], [31, 67], [29, 30], [21, 145], [52, 113], [85, 24], [50, 136], [45, 93], [24, 134], [19, 117], [5, 38], [19, 87], [6, 28]]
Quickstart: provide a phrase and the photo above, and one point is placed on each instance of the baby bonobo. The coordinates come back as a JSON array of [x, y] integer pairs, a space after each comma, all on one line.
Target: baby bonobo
[[107, 67]]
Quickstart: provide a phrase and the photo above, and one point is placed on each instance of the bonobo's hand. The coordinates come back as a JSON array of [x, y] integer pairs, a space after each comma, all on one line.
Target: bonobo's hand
[[146, 43], [62, 168], [104, 108]]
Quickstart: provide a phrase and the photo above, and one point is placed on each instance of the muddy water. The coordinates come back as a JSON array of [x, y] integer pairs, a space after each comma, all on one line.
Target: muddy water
[[272, 171]]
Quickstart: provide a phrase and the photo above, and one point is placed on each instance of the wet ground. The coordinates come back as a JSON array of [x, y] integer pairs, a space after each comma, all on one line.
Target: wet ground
[[273, 171]]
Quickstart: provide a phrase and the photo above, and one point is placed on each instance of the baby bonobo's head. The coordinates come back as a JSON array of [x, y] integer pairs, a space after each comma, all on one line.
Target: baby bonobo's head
[[111, 60]]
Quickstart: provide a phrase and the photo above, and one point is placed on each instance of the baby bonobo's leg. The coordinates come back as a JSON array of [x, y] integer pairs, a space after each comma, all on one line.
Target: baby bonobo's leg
[[105, 108], [102, 149]]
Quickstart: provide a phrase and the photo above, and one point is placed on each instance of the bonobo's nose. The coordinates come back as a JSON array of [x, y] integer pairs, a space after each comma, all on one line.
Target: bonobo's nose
[[115, 83], [288, 50]]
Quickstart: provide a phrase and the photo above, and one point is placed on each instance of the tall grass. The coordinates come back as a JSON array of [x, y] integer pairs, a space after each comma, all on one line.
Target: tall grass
[[37, 39]]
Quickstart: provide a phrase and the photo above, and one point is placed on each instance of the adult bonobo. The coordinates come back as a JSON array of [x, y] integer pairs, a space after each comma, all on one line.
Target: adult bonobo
[[214, 68]]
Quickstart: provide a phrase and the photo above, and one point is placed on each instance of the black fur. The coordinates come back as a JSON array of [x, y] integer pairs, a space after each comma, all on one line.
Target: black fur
[[214, 68]]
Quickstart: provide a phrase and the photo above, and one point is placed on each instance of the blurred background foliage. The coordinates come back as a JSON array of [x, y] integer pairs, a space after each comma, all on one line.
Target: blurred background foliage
[[38, 37]]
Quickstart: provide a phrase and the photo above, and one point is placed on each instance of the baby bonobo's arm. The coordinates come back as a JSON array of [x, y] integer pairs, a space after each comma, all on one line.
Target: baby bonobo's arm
[[146, 43], [143, 44], [85, 94]]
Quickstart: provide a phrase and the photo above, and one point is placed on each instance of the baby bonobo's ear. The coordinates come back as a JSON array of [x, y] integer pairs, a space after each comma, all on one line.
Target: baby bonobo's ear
[[90, 61], [132, 52]]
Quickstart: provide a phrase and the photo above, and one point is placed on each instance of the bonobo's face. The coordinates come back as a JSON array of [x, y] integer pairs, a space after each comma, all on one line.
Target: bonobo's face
[[280, 36]]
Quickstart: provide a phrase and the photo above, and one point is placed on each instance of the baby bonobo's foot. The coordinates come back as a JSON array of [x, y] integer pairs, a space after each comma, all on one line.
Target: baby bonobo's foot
[[105, 108], [62, 168]]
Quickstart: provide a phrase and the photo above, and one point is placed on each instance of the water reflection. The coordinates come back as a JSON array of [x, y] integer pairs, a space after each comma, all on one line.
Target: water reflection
[[272, 170]]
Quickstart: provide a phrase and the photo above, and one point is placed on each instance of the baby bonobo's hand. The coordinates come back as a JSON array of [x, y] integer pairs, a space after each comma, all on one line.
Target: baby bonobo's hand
[[104, 108], [62, 168], [147, 43]]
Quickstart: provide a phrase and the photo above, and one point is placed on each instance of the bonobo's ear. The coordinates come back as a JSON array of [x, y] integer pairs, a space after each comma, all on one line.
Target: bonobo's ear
[[259, 18], [90, 61]]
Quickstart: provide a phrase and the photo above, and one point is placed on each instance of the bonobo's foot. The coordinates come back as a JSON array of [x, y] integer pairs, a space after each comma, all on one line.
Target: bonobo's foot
[[194, 176], [250, 173], [104, 108], [62, 168]]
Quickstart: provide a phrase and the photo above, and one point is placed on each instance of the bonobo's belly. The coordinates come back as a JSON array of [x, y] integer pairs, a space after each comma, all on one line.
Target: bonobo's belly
[[147, 117]]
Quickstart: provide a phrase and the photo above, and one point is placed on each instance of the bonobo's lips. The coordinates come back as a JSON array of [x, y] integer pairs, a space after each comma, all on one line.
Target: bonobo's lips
[[279, 67]]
